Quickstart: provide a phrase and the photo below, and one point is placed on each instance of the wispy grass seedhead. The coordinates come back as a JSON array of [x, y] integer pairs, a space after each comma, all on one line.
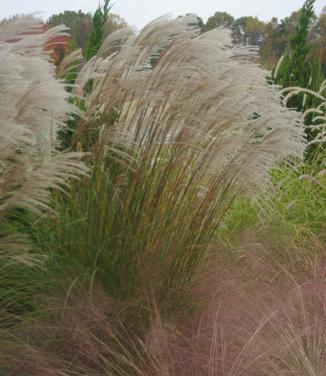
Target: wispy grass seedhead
[[315, 115], [33, 109], [168, 85]]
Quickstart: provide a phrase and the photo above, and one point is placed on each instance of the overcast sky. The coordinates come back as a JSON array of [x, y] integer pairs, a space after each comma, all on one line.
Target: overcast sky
[[139, 12]]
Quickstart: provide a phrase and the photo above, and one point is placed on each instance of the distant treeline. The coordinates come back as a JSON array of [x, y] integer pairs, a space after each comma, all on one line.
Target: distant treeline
[[272, 37]]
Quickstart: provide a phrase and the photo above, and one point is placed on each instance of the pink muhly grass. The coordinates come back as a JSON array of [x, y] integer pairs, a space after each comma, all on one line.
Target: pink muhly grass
[[255, 320]]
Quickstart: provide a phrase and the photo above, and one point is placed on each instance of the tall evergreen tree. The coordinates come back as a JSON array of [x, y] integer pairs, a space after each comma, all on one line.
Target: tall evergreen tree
[[99, 20], [302, 68], [297, 67]]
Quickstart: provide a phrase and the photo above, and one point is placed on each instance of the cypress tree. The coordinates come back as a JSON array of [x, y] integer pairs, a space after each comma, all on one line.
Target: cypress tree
[[97, 35], [294, 70], [301, 66]]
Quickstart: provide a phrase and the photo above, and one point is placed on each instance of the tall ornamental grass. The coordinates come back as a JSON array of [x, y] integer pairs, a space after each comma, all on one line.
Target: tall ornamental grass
[[33, 109], [178, 124]]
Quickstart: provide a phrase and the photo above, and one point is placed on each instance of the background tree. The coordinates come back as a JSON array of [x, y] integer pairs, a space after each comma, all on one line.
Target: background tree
[[320, 30], [254, 30], [97, 35], [301, 68], [296, 69], [276, 38], [80, 25], [248, 30], [272, 47], [114, 23], [219, 19]]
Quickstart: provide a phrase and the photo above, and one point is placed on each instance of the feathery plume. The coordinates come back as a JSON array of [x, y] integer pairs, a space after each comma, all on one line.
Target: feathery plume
[[33, 109], [169, 84]]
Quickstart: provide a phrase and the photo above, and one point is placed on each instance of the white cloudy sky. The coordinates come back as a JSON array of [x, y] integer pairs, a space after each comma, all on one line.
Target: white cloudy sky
[[139, 12]]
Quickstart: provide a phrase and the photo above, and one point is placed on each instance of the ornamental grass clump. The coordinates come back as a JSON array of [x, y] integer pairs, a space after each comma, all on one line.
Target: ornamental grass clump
[[33, 109], [178, 123]]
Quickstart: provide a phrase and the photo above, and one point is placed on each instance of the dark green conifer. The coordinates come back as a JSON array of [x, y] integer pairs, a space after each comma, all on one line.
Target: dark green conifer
[[297, 67], [99, 20]]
